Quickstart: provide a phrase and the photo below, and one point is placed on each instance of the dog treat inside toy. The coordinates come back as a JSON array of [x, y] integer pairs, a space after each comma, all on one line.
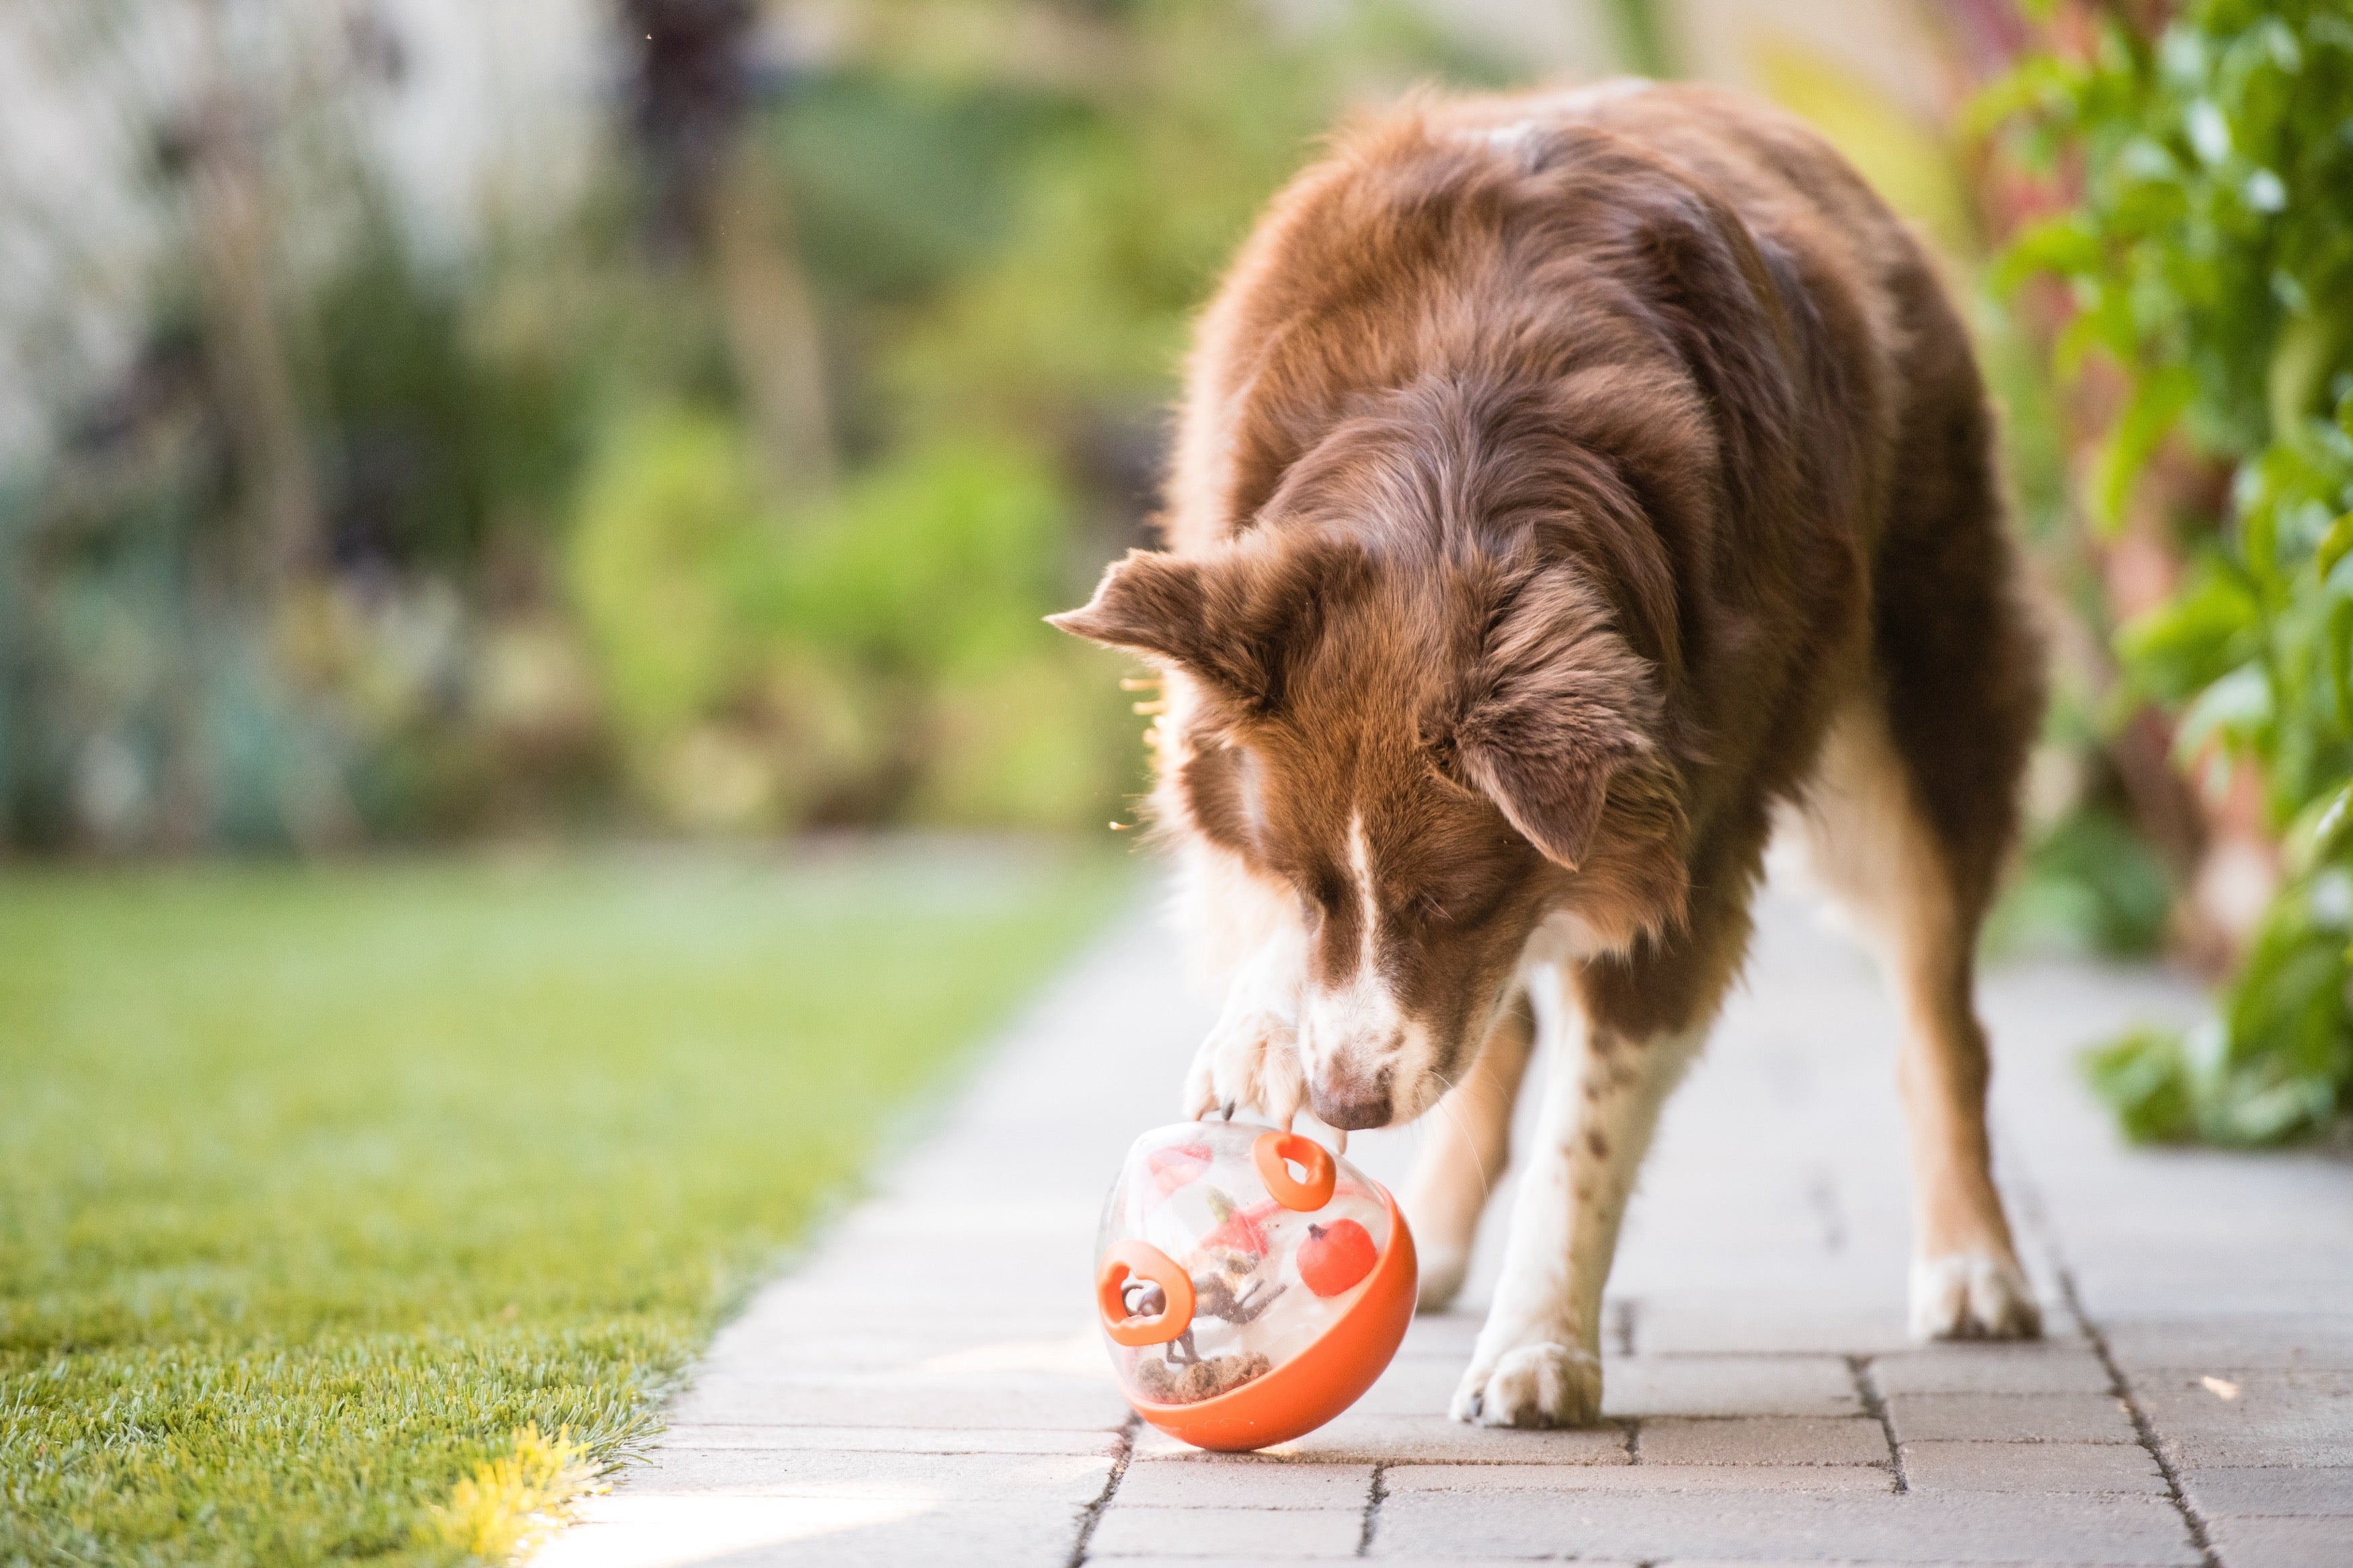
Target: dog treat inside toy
[[1172, 1382], [1232, 1291], [1230, 1253]]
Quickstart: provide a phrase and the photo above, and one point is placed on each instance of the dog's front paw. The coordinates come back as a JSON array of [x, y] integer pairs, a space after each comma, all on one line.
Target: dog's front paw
[[1251, 1058], [1972, 1296], [1533, 1386]]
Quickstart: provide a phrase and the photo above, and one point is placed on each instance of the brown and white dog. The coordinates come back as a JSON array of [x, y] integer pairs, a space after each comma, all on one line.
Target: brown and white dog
[[1567, 486]]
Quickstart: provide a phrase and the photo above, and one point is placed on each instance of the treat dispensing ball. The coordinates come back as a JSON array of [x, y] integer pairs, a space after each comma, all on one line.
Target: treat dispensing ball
[[1251, 1285]]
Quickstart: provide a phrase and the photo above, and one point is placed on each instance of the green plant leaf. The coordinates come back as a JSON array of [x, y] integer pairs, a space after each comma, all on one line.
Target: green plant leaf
[[2156, 406], [2145, 1080], [2210, 257], [2233, 709], [2334, 544]]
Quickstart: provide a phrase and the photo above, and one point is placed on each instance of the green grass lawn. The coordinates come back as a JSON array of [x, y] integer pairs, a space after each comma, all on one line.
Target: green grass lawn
[[317, 1185]]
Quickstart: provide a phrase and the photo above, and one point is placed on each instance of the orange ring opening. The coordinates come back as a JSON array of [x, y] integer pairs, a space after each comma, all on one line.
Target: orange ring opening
[[1276, 1152], [1144, 1261]]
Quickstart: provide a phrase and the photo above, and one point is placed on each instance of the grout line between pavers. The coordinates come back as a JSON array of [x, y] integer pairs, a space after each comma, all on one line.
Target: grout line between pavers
[[1866, 1388], [1373, 1509], [2143, 1428], [1094, 1512], [2036, 1215]]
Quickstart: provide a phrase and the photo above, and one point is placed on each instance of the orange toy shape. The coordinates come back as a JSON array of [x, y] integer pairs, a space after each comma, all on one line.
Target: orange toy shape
[[1251, 1285]]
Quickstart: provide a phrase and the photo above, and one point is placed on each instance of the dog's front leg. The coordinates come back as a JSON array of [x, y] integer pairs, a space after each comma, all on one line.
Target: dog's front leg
[[1538, 1361], [1251, 1056]]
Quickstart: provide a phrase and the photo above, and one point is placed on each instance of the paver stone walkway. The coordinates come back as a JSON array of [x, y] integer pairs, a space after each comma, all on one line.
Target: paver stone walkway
[[928, 1386]]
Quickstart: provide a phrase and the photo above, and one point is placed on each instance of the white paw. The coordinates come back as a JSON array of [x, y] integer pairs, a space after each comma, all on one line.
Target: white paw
[[1972, 1296], [1533, 1386], [1249, 1059], [1442, 1270]]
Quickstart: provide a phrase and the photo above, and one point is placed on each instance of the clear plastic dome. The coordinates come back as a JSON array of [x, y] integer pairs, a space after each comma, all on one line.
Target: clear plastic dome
[[1226, 1250]]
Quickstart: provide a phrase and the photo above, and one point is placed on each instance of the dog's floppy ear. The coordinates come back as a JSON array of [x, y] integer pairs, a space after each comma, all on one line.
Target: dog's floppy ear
[[1554, 798], [1150, 602], [1227, 618], [1556, 706]]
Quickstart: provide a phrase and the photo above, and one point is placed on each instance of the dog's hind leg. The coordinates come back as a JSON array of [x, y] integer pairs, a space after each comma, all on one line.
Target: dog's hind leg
[[1875, 849], [1466, 1144], [1922, 773], [1538, 1361]]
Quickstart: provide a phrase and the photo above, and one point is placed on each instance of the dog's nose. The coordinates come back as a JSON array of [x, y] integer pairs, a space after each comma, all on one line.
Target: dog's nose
[[1351, 1107]]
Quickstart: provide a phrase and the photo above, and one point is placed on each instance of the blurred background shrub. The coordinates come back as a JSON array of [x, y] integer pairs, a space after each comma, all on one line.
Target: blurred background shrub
[[422, 420], [2205, 241], [614, 413]]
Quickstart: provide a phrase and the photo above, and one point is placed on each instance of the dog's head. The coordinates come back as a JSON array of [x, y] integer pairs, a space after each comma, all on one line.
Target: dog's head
[[1432, 749]]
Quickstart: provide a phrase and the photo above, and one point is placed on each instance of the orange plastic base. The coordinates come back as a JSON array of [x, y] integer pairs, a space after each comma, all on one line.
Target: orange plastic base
[[1320, 1381]]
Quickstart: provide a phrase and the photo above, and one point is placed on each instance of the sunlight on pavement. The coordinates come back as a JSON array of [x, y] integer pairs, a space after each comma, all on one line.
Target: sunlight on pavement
[[674, 1531]]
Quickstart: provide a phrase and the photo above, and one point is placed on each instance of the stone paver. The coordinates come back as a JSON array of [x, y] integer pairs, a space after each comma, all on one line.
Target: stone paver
[[980, 1478], [898, 1439], [2076, 1467], [1764, 1440], [1360, 1438], [656, 1530], [1918, 1528], [2010, 1418], [2255, 1418], [2192, 1403], [1129, 1530], [1643, 1478], [2039, 1367], [1240, 1481], [1273, 1562], [1639, 1386], [2284, 1543], [2318, 1491]]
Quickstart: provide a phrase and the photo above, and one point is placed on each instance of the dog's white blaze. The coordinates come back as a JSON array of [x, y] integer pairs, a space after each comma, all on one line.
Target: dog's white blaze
[[1360, 1025], [1360, 862]]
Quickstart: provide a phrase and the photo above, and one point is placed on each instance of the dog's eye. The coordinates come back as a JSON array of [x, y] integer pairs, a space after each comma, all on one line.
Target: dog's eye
[[1319, 897]]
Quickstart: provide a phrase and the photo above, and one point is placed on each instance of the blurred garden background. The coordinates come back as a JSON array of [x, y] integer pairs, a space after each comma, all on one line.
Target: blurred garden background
[[443, 442]]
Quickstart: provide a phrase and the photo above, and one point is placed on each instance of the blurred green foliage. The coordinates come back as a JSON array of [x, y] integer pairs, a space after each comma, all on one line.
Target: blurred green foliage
[[2211, 259], [2088, 884], [805, 666], [1008, 265], [561, 581]]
